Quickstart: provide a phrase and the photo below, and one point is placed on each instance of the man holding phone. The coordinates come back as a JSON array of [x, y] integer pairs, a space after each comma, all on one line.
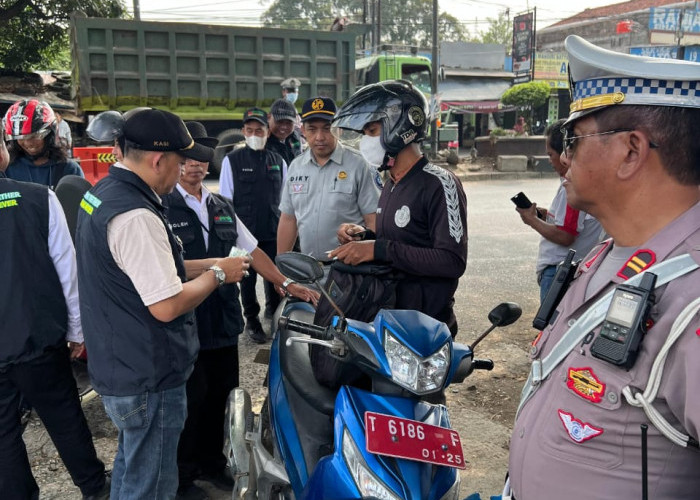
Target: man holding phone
[[561, 226]]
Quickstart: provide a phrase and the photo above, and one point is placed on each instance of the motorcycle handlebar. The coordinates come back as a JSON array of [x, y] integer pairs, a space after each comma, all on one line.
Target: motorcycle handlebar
[[317, 332]]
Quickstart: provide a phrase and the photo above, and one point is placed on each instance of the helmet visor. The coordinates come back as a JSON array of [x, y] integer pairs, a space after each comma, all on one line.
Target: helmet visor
[[106, 126], [348, 127], [41, 134]]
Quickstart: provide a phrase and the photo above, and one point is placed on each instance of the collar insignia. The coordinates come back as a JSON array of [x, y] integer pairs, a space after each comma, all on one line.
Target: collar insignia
[[578, 431], [584, 383], [641, 260]]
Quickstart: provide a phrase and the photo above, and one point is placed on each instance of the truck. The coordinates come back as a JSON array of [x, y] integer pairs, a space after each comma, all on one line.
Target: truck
[[208, 73]]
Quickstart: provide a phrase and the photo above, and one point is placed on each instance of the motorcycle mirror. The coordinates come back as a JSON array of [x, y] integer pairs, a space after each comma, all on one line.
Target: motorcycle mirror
[[505, 314], [300, 267]]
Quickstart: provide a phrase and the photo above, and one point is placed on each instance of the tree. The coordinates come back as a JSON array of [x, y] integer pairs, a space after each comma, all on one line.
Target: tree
[[500, 31], [33, 33], [526, 97], [408, 22]]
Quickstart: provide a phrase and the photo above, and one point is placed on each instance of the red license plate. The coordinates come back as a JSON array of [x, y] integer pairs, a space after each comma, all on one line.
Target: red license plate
[[413, 440]]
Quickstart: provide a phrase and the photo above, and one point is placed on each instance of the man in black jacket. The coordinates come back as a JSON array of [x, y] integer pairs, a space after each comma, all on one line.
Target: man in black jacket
[[284, 139], [208, 227], [252, 177], [40, 332]]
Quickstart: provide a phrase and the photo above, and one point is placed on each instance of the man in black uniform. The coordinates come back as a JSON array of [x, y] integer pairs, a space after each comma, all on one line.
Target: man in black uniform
[[207, 225], [252, 177], [284, 139], [422, 213], [40, 333]]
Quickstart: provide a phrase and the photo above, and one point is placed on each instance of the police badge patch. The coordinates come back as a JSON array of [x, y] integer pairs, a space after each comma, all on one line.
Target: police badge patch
[[402, 216], [578, 431], [584, 383]]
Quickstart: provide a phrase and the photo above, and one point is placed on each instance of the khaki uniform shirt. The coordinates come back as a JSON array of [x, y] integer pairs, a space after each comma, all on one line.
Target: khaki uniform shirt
[[577, 437]]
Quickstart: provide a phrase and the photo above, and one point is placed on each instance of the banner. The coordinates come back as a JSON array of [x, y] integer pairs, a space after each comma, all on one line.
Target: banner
[[551, 67], [523, 37]]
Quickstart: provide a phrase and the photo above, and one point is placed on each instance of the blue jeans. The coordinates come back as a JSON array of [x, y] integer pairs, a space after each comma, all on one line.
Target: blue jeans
[[149, 430], [545, 280]]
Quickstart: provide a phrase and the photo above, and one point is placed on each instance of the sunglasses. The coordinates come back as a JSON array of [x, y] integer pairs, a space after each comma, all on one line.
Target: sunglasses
[[570, 139]]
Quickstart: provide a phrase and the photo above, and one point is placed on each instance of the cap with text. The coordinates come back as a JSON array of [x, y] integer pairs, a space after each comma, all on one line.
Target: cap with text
[[256, 114]]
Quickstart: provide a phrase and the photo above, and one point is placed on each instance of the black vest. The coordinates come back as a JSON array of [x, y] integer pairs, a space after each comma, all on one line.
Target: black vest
[[32, 305], [130, 351], [288, 149], [257, 188], [219, 317]]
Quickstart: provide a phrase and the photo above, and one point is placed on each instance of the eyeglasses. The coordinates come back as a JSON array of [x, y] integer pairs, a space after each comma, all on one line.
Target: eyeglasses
[[570, 140]]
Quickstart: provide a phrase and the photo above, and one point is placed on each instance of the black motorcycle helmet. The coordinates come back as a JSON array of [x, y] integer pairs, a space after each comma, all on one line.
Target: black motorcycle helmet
[[401, 108]]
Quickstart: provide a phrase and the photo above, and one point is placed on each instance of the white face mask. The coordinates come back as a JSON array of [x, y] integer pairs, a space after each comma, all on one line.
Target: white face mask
[[256, 143], [372, 150]]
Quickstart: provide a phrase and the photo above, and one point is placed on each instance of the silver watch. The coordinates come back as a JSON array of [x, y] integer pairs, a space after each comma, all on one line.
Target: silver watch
[[286, 283], [219, 274]]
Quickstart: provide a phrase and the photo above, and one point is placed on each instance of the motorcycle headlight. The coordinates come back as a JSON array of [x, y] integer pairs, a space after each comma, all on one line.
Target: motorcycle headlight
[[369, 485], [418, 375]]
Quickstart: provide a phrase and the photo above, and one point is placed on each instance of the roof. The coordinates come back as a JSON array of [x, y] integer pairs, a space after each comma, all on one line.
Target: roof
[[476, 89], [617, 9]]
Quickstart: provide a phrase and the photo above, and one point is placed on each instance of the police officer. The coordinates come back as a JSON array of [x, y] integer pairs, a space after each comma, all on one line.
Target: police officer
[[40, 332], [252, 177], [137, 309], [284, 139], [290, 89], [633, 157], [208, 227], [422, 213]]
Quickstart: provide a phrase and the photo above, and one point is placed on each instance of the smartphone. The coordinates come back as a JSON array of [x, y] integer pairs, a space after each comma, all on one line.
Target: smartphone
[[521, 201]]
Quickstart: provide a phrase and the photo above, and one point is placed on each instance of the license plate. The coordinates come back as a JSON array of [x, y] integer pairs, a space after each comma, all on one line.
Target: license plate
[[413, 440]]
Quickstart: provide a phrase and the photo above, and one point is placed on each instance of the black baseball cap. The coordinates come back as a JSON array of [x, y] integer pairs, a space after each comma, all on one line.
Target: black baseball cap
[[282, 109], [202, 141], [323, 108], [158, 130], [256, 114]]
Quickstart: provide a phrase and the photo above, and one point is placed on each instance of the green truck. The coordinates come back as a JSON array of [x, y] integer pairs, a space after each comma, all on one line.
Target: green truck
[[213, 73]]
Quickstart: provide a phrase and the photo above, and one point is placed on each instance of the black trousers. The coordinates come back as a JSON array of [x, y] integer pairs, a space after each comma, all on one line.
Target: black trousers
[[47, 384], [249, 299], [201, 444]]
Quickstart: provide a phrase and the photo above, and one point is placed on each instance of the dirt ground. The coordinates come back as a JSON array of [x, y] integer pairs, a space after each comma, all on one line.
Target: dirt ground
[[482, 409]]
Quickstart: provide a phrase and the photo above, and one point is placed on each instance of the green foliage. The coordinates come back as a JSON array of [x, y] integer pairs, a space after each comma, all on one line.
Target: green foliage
[[526, 95], [34, 33], [407, 22], [500, 31]]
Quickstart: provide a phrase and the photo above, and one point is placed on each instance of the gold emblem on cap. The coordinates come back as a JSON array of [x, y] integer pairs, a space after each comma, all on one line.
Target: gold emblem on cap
[[342, 175], [317, 104], [597, 101]]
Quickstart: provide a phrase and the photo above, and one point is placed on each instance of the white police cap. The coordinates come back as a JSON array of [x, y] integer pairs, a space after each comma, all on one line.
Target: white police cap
[[599, 78], [290, 83]]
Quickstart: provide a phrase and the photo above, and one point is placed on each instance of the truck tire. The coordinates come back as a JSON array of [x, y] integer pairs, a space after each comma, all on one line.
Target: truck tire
[[228, 140]]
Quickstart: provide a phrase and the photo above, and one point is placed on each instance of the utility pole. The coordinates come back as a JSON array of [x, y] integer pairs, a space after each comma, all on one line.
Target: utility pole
[[434, 82], [379, 24], [137, 10]]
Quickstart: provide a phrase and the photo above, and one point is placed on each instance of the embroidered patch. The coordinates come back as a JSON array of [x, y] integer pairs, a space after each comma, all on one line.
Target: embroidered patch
[[223, 219], [641, 260], [578, 431], [584, 383], [273, 168], [402, 216], [342, 175], [297, 188]]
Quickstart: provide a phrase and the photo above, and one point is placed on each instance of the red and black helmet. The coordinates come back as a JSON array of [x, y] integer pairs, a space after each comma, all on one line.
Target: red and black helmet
[[28, 117]]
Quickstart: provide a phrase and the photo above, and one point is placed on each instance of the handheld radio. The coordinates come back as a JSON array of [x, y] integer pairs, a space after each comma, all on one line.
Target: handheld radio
[[624, 326], [562, 280]]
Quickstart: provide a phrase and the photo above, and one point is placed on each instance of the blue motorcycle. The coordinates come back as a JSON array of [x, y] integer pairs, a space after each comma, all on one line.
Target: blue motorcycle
[[311, 442]]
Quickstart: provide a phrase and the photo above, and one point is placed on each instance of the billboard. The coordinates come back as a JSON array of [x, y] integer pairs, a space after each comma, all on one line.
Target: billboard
[[666, 52], [551, 67], [523, 39], [674, 26]]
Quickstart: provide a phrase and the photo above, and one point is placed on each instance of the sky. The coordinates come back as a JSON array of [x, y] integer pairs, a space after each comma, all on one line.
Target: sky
[[473, 13]]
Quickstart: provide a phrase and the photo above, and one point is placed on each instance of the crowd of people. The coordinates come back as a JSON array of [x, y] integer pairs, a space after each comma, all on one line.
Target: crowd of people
[[162, 278]]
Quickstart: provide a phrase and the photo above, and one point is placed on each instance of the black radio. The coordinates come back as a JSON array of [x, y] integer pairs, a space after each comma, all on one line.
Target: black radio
[[624, 326], [562, 279]]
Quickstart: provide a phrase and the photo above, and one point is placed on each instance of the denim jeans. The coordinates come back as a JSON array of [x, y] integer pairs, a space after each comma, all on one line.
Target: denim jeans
[[149, 430], [545, 279]]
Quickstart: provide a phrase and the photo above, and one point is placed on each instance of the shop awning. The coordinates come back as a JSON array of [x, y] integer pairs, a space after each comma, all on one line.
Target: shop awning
[[473, 95]]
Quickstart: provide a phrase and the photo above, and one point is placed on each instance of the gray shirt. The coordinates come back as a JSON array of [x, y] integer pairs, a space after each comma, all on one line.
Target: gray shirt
[[323, 197]]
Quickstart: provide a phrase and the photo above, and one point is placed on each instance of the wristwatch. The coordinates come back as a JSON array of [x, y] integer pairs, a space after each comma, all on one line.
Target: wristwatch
[[219, 274], [286, 283]]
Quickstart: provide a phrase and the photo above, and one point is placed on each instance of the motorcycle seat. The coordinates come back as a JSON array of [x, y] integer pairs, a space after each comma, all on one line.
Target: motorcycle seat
[[296, 368]]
